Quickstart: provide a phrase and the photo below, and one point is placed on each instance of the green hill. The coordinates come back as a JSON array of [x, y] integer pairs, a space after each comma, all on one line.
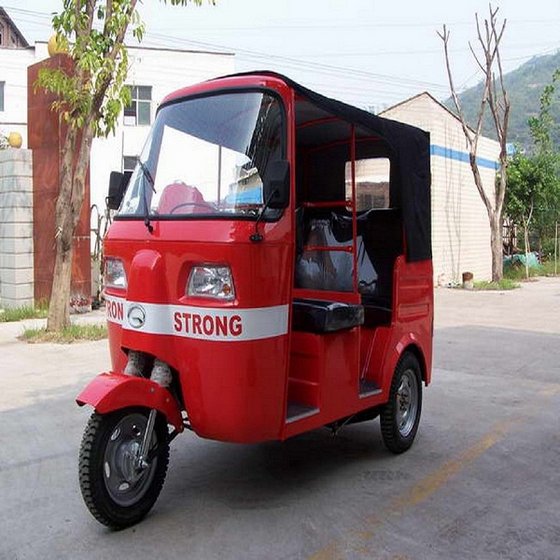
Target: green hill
[[524, 86]]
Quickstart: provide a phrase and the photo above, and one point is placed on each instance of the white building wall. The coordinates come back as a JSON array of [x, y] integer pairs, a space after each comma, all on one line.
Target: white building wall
[[460, 226], [13, 71]]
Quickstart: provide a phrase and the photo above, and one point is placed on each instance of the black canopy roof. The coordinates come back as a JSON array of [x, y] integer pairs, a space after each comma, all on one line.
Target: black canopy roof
[[410, 148]]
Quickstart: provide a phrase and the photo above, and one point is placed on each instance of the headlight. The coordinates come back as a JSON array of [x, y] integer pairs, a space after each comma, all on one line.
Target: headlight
[[114, 274], [211, 281]]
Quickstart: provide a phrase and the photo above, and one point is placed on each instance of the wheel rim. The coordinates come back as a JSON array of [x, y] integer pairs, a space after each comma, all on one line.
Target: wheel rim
[[407, 402], [125, 481]]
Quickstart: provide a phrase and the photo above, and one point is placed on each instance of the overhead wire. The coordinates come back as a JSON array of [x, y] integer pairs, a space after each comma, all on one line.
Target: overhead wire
[[349, 73], [392, 85], [312, 65], [321, 25]]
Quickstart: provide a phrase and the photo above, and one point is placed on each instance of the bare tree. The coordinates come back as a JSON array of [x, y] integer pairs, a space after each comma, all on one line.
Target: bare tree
[[494, 98]]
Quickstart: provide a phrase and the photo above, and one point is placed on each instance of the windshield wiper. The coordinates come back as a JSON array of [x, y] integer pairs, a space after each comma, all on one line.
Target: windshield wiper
[[150, 179]]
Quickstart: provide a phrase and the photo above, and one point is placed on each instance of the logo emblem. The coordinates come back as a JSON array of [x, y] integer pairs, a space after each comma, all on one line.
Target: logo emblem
[[136, 316]]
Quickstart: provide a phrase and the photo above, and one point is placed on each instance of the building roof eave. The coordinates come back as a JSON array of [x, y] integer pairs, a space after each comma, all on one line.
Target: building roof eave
[[4, 14], [432, 98]]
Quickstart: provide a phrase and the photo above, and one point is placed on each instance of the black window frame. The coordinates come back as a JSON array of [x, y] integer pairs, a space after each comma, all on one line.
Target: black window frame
[[131, 163], [137, 100]]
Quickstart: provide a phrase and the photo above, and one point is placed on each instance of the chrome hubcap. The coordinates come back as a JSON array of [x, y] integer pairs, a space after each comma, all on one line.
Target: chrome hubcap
[[126, 480], [407, 402]]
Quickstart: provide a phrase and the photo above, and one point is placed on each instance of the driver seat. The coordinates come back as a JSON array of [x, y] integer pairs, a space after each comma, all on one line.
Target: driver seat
[[178, 194]]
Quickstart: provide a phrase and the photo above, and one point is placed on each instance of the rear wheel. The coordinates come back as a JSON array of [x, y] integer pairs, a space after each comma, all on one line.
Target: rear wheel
[[401, 415], [116, 488]]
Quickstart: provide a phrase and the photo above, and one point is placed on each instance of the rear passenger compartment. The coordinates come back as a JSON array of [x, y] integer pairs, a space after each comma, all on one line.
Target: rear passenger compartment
[[349, 234]]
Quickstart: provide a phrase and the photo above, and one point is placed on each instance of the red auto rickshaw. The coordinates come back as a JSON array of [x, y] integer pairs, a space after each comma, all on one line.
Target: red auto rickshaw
[[268, 272]]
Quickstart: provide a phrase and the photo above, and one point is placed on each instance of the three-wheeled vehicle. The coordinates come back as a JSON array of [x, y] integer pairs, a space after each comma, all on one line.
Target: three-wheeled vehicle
[[268, 272]]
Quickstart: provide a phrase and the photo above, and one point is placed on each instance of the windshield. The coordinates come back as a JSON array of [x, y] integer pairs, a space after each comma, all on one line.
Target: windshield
[[207, 156]]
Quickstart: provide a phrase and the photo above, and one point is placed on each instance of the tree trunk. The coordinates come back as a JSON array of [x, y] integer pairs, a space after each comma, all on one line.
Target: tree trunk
[[496, 223], [496, 243], [556, 248], [73, 172], [59, 305], [527, 248]]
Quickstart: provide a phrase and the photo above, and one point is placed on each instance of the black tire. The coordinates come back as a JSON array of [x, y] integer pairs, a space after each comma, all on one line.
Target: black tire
[[401, 415], [108, 446]]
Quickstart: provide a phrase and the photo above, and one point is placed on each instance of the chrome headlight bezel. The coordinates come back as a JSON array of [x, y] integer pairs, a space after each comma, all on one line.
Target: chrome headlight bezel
[[211, 281], [114, 274]]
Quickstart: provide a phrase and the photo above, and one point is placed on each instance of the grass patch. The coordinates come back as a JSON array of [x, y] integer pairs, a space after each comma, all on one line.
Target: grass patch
[[20, 313], [517, 272], [73, 333], [504, 284], [547, 269]]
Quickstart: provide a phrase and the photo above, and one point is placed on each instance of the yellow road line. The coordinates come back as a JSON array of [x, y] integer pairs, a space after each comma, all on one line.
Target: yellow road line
[[421, 491], [431, 483], [551, 391], [435, 480], [330, 552]]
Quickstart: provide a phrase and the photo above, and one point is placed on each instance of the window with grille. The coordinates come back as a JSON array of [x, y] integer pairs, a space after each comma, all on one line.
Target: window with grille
[[129, 163], [139, 112]]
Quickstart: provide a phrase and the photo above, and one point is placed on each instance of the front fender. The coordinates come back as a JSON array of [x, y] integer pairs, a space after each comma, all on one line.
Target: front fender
[[113, 391]]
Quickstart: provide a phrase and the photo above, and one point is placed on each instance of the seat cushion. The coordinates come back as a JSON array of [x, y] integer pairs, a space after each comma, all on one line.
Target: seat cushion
[[325, 316]]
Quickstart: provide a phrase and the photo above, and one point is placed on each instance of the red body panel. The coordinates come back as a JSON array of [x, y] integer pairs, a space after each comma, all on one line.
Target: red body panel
[[233, 390]]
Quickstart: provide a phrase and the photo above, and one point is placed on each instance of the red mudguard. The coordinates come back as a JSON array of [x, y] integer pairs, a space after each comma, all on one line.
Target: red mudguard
[[113, 391]]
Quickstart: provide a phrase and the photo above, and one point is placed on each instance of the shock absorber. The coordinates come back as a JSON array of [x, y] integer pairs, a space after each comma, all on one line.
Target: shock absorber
[[160, 374], [135, 364]]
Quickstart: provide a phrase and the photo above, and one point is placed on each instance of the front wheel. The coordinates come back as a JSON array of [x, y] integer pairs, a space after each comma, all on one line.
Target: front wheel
[[401, 415], [117, 489]]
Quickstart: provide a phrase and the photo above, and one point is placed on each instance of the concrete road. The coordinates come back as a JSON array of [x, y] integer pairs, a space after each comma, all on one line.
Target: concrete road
[[482, 480]]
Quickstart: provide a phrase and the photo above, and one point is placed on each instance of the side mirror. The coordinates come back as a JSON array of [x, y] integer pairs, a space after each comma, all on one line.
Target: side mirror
[[276, 187], [117, 185]]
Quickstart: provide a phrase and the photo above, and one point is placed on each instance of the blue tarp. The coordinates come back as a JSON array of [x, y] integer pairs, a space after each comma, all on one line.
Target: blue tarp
[[520, 259]]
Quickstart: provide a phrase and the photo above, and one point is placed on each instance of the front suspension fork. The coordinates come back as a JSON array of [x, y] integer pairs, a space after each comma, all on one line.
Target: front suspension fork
[[147, 439], [161, 374]]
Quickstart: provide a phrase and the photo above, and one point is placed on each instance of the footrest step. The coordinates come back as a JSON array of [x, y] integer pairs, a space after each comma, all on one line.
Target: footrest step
[[297, 411], [368, 388]]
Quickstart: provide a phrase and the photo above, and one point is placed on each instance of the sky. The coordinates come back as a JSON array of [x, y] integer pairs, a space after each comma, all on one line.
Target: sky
[[370, 53]]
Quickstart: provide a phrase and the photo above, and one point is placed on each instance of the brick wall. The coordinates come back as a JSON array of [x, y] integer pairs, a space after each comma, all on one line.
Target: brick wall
[[16, 228]]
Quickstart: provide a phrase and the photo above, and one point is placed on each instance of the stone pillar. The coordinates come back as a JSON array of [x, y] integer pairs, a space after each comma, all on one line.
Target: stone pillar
[[16, 228], [45, 138]]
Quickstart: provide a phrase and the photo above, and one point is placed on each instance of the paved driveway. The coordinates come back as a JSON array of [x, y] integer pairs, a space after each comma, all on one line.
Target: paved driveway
[[482, 480]]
